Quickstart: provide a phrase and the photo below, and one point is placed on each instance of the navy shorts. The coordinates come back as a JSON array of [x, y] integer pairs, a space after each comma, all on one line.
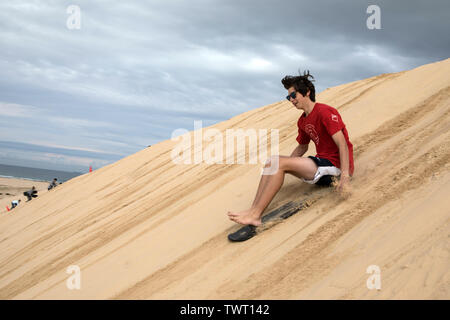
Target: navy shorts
[[325, 173]]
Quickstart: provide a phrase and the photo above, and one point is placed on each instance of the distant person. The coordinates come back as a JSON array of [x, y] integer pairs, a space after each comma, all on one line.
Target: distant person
[[15, 203], [30, 194], [53, 184]]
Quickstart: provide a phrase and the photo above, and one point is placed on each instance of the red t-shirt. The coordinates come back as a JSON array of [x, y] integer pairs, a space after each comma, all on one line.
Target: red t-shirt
[[323, 122]]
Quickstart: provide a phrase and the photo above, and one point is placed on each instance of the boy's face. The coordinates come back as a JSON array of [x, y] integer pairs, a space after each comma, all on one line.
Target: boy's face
[[300, 101]]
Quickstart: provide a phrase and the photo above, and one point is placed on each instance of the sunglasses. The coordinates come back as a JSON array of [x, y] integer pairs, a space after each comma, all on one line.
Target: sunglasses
[[293, 95]]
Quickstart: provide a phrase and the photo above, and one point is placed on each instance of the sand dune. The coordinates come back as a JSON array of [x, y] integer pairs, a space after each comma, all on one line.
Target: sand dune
[[146, 228]]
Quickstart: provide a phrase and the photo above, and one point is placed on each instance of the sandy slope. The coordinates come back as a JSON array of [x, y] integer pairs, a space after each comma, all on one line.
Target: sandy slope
[[147, 228]]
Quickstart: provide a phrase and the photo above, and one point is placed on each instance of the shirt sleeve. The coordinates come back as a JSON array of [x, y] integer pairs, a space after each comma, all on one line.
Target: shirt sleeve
[[332, 121]]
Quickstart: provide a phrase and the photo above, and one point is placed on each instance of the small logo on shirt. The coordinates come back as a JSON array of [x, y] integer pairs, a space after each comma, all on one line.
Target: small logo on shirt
[[334, 118], [311, 131]]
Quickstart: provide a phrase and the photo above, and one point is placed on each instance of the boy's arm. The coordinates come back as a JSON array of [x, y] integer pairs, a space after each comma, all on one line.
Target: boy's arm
[[300, 150], [339, 139]]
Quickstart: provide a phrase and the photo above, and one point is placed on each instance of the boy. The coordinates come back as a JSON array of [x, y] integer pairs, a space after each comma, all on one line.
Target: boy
[[53, 184], [30, 194], [15, 203], [320, 123]]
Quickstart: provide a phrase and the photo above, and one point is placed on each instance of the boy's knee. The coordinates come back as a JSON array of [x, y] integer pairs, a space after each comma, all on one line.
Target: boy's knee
[[272, 165], [271, 160]]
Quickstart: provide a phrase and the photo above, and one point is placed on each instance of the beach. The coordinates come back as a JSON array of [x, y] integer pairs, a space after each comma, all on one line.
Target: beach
[[145, 227], [13, 189]]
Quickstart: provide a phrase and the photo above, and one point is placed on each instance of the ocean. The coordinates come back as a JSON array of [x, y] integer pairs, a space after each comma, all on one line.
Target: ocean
[[36, 174]]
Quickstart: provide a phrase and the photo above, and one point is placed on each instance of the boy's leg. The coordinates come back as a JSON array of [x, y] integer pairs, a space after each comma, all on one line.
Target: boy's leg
[[262, 182], [265, 178], [270, 184]]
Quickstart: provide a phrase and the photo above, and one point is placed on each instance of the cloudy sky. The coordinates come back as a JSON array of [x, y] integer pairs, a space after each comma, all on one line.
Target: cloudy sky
[[137, 70]]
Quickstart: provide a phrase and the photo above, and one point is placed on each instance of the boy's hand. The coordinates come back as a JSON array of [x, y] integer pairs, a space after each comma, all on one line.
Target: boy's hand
[[344, 188]]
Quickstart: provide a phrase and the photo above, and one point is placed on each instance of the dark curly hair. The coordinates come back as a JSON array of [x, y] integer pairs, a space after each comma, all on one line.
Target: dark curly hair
[[301, 83]]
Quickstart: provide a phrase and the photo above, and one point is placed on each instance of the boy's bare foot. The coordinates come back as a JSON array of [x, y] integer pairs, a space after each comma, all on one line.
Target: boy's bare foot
[[246, 217]]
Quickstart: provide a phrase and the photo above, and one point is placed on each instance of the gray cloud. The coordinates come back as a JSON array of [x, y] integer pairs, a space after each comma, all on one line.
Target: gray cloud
[[137, 70], [57, 150]]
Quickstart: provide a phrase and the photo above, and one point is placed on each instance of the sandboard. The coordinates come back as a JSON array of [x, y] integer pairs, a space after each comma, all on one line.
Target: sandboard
[[280, 213]]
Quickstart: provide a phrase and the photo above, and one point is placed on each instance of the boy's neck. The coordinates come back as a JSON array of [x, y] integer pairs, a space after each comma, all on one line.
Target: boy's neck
[[309, 107]]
